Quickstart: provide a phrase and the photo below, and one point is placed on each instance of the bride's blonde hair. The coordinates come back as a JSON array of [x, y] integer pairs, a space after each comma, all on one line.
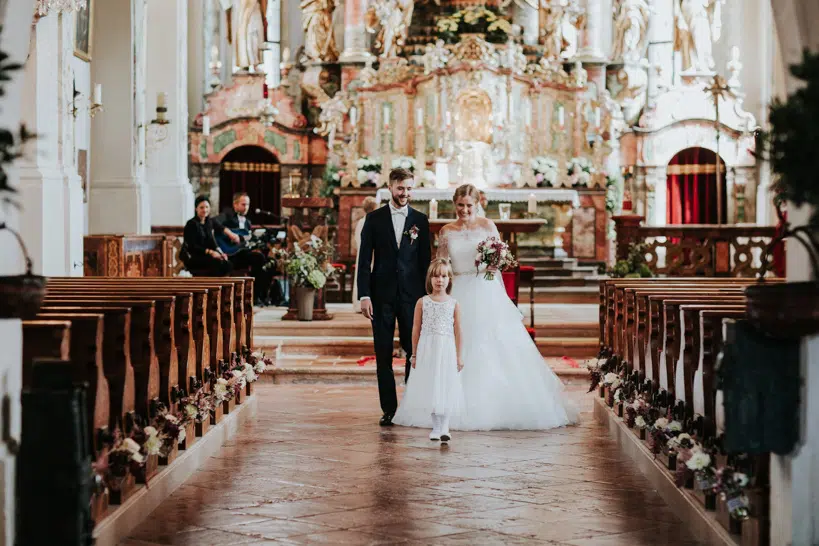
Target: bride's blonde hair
[[467, 190], [437, 267]]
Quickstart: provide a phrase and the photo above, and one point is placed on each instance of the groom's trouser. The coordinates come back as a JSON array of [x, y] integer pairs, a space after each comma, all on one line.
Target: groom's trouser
[[384, 317]]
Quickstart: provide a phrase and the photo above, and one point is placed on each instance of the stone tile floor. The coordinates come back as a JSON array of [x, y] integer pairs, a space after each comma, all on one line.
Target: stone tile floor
[[315, 468]]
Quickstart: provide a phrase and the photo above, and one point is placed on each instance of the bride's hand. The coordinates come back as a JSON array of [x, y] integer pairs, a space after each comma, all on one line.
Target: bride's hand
[[492, 269], [460, 364], [412, 360]]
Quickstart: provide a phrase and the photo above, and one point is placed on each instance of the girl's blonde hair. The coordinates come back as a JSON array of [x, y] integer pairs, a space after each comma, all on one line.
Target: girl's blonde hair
[[369, 204], [436, 268], [467, 190]]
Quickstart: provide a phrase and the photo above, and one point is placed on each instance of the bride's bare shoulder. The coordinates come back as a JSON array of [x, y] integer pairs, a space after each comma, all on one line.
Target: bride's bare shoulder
[[486, 223], [448, 227]]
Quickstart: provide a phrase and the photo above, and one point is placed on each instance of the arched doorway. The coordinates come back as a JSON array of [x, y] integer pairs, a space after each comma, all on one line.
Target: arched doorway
[[256, 171], [691, 183]]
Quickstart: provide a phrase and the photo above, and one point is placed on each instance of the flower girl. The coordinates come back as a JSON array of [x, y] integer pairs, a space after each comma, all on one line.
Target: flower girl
[[433, 390]]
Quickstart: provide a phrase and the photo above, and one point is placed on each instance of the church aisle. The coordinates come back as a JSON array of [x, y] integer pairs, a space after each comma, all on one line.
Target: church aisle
[[314, 468]]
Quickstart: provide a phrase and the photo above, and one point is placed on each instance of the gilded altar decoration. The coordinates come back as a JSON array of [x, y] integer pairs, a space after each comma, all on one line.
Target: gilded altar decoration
[[630, 30], [435, 56], [698, 25], [474, 20], [247, 32], [317, 23], [394, 18]]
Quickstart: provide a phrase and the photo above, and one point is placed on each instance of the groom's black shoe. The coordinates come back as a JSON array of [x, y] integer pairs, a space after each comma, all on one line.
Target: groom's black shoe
[[386, 420]]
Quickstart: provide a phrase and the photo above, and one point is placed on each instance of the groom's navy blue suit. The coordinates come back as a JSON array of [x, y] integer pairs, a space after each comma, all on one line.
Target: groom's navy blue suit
[[395, 285]]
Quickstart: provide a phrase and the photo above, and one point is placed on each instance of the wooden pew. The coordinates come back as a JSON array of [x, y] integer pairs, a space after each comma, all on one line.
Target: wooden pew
[[143, 355]]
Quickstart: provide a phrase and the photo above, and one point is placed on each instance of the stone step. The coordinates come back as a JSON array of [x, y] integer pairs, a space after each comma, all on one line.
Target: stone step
[[314, 347], [348, 371], [547, 281]]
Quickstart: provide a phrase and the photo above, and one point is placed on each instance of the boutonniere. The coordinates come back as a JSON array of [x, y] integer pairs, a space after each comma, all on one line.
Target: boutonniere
[[412, 233]]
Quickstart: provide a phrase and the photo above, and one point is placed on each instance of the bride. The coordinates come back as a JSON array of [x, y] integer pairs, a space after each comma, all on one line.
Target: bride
[[506, 383]]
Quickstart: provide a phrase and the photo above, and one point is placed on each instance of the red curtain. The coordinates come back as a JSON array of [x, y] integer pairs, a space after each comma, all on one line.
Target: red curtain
[[692, 197], [253, 170]]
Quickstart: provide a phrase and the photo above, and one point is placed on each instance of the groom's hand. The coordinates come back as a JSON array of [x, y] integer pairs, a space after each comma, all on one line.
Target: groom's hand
[[367, 308]]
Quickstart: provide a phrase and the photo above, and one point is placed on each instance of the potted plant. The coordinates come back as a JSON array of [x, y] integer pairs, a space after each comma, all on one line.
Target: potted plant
[[308, 269], [791, 310]]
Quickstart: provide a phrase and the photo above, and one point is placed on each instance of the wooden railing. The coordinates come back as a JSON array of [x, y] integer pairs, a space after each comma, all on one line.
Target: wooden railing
[[696, 250]]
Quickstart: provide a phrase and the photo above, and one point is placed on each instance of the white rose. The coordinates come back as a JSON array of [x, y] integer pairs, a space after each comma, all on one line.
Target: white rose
[[610, 378], [674, 426], [130, 445], [661, 423], [171, 419], [260, 367], [699, 461], [362, 176], [137, 458], [150, 431], [153, 445], [640, 422], [191, 411], [220, 388]]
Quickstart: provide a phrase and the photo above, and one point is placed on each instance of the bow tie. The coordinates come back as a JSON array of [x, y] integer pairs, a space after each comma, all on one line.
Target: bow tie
[[401, 211]]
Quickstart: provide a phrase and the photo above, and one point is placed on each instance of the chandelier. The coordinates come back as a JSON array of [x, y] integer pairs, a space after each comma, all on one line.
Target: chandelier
[[45, 6]]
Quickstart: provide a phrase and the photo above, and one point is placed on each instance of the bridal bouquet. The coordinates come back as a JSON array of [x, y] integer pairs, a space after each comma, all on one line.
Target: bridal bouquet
[[492, 252]]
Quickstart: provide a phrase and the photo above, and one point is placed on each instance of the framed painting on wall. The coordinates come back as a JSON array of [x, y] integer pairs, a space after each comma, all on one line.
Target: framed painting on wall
[[84, 31]]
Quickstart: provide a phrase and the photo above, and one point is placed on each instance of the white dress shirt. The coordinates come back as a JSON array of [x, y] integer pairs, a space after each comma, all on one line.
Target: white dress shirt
[[242, 221], [399, 218]]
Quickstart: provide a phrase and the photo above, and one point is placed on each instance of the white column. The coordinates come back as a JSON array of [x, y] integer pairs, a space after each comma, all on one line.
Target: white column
[[119, 200], [529, 20], [72, 183], [598, 20], [660, 46], [41, 186], [198, 55], [16, 20], [355, 32], [167, 165]]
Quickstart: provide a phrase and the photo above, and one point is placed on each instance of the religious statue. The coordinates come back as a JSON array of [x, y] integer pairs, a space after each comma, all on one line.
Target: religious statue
[[560, 24], [734, 67], [395, 17], [317, 23], [633, 80], [247, 32], [698, 26], [331, 118], [630, 29]]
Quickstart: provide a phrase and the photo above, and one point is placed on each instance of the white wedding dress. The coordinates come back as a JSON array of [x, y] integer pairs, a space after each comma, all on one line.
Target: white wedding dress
[[506, 384]]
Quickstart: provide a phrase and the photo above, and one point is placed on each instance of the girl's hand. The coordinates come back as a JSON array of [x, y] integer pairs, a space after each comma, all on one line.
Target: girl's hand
[[412, 360], [460, 364]]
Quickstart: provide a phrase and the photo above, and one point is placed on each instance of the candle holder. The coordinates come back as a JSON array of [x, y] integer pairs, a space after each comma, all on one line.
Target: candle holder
[[77, 103]]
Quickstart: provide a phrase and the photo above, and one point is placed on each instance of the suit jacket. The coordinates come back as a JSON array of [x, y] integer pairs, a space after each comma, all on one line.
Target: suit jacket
[[230, 220], [398, 273]]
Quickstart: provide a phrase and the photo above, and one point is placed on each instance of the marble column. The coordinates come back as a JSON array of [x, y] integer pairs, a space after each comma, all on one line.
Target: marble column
[[355, 33], [167, 165], [16, 19], [42, 191], [598, 25], [529, 20], [119, 200]]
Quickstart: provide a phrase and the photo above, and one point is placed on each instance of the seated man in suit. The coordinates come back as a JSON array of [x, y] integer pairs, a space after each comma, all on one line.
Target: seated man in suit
[[236, 219]]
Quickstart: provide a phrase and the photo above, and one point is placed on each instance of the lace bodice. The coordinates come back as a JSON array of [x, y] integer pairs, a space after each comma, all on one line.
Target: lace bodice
[[439, 317], [461, 247]]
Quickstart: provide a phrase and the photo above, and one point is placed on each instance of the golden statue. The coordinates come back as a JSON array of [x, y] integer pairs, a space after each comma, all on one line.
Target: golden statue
[[317, 22], [560, 24]]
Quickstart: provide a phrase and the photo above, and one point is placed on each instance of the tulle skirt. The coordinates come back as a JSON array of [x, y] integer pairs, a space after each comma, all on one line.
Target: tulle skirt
[[434, 386], [506, 383]]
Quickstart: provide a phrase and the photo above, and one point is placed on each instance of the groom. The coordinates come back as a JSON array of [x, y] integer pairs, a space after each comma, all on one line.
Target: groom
[[396, 238]]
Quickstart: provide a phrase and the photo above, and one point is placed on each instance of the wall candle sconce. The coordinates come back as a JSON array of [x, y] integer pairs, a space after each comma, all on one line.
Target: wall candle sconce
[[206, 126], [157, 132], [94, 106]]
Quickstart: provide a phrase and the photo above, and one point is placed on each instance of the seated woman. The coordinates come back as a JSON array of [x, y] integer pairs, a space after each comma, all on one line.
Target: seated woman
[[204, 257]]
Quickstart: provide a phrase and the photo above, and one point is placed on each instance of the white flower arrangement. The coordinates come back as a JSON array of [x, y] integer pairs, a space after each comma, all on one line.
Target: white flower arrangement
[[153, 444], [132, 448], [639, 422], [674, 426], [368, 170], [238, 379], [661, 423], [250, 373], [618, 396], [676, 441], [260, 367], [191, 411], [699, 461], [220, 389], [580, 170], [610, 378], [404, 162], [546, 170]]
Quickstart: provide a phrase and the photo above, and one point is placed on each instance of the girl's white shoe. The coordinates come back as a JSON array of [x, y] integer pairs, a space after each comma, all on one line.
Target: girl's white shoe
[[434, 436]]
